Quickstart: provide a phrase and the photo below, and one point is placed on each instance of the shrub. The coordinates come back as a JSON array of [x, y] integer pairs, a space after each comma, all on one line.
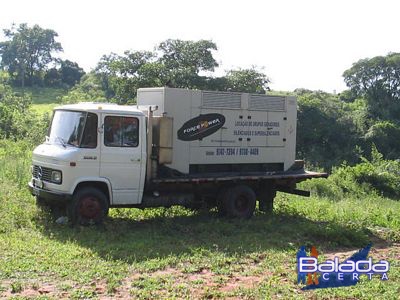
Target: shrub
[[17, 120], [376, 176], [386, 136], [17, 209]]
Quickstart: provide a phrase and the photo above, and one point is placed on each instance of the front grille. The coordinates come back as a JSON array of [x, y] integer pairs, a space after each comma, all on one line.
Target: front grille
[[45, 173]]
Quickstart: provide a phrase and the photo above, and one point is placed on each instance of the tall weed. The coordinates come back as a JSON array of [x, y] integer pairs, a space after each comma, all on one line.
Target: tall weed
[[377, 176], [17, 209], [15, 160]]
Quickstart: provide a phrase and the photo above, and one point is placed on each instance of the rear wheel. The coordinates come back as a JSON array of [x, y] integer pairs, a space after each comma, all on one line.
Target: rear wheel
[[89, 206], [240, 202]]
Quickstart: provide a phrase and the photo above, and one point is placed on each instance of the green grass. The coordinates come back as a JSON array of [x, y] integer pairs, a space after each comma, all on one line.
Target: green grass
[[41, 109], [178, 253], [43, 99], [42, 95]]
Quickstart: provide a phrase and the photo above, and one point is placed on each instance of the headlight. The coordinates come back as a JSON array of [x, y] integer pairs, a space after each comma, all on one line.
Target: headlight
[[31, 169], [56, 176]]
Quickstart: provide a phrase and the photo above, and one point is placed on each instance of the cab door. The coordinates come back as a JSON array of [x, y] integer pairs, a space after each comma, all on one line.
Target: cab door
[[121, 157]]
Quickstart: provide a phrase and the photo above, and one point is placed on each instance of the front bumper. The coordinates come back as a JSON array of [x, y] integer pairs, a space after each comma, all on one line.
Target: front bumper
[[49, 196]]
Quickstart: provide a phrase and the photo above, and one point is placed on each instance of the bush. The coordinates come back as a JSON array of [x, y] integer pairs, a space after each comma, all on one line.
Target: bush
[[17, 209], [386, 136], [15, 159], [328, 130], [377, 176], [17, 120], [88, 90]]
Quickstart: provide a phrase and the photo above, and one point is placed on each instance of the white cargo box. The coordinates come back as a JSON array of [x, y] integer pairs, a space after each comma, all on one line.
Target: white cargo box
[[226, 131]]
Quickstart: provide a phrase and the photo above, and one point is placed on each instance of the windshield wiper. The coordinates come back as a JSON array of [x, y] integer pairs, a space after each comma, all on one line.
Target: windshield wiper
[[61, 141]]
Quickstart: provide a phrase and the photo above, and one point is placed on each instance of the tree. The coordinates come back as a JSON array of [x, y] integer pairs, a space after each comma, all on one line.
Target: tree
[[28, 51], [247, 80], [67, 74], [378, 80], [194, 55], [122, 75], [327, 131], [52, 77], [88, 89], [184, 60], [175, 63], [385, 136], [70, 72]]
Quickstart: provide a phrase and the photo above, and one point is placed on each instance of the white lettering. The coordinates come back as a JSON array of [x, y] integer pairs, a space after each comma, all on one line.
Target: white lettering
[[381, 267], [307, 265], [355, 276], [328, 267], [360, 265], [348, 266]]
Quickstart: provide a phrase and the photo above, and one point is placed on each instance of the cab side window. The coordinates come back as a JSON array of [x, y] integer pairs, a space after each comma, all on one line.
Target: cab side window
[[89, 139], [121, 131]]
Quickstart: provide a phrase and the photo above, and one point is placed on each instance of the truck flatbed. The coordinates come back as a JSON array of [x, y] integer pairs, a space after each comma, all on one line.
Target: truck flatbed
[[298, 175]]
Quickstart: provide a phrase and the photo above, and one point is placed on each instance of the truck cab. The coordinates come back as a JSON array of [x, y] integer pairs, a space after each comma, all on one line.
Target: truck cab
[[92, 146]]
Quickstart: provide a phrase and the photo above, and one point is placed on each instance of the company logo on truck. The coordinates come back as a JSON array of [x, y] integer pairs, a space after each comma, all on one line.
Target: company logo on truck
[[200, 127]]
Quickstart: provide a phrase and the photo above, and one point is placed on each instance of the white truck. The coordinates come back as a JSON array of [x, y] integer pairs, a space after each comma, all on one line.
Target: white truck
[[175, 147]]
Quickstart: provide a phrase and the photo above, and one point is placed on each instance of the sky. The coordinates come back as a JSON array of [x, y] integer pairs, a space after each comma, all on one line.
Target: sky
[[297, 44]]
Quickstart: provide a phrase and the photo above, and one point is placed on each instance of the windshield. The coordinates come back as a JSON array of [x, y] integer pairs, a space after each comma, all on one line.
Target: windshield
[[67, 127]]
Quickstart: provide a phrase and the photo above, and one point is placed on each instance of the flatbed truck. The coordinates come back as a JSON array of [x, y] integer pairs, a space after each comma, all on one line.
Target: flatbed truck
[[175, 147]]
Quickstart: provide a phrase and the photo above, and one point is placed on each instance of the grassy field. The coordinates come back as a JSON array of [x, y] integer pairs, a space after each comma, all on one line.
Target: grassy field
[[43, 95], [43, 99], [178, 253]]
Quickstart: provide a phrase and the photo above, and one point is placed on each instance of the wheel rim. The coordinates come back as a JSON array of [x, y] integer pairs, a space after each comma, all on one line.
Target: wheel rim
[[90, 208], [241, 203]]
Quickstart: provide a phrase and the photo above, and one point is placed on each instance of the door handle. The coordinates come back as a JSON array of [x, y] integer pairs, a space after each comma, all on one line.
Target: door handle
[[133, 160]]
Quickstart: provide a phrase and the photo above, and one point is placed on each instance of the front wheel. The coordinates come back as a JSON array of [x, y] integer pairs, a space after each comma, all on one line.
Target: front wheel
[[240, 202], [89, 206]]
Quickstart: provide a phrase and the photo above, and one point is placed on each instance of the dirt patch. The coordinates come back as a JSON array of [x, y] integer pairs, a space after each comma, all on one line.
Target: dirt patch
[[27, 289], [197, 284], [241, 282], [385, 250]]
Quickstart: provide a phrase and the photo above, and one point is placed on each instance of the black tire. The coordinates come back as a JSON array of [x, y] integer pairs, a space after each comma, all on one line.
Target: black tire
[[266, 200], [240, 202], [89, 206]]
